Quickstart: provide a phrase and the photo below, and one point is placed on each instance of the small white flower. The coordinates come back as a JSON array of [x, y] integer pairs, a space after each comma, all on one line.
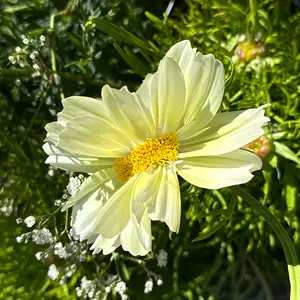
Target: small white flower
[[25, 41], [39, 255], [148, 286], [19, 221], [120, 287], [124, 297], [60, 250], [162, 258], [36, 74], [73, 186], [62, 280], [17, 82], [36, 67], [51, 172], [12, 59], [53, 272], [42, 38], [32, 56], [159, 282], [42, 236], [79, 293], [57, 202], [85, 283], [18, 49], [19, 239], [29, 221], [107, 289]]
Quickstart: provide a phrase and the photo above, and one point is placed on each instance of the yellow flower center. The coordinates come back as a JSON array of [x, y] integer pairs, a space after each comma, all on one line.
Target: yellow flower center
[[153, 152]]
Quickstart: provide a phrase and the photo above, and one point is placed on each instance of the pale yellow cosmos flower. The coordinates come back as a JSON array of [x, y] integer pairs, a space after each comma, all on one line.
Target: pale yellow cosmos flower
[[135, 144]]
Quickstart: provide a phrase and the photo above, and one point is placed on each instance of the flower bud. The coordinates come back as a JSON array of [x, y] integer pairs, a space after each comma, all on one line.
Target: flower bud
[[260, 146], [247, 50]]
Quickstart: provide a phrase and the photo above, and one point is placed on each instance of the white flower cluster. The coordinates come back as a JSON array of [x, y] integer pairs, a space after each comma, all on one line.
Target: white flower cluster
[[42, 236], [38, 236], [69, 271], [61, 251], [148, 286], [87, 289], [29, 221], [71, 190], [162, 258], [29, 55], [74, 184], [53, 272], [120, 288], [27, 41]]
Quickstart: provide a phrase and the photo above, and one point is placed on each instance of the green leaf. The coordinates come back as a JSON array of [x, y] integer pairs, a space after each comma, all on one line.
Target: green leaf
[[286, 152], [132, 60], [144, 70], [207, 232], [155, 19], [76, 41], [287, 245], [121, 35]]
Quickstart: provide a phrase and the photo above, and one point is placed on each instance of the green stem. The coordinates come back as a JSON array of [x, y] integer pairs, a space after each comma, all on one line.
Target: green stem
[[53, 45], [287, 245]]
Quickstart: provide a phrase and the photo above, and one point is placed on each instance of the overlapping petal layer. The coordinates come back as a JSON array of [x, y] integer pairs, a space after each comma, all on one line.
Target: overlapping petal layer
[[102, 202]]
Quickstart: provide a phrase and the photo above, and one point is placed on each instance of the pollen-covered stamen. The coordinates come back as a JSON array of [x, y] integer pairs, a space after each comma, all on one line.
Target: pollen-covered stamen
[[153, 152]]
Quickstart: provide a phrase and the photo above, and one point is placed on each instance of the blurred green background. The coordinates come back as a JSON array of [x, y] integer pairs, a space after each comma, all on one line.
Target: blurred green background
[[257, 41]]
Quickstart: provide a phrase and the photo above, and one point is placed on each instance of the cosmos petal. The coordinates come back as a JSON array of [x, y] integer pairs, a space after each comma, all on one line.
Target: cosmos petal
[[204, 80], [95, 137], [166, 91], [225, 133], [79, 106], [132, 114], [136, 238], [105, 245], [53, 130], [215, 172], [90, 199], [100, 185], [165, 204], [74, 163], [115, 214]]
